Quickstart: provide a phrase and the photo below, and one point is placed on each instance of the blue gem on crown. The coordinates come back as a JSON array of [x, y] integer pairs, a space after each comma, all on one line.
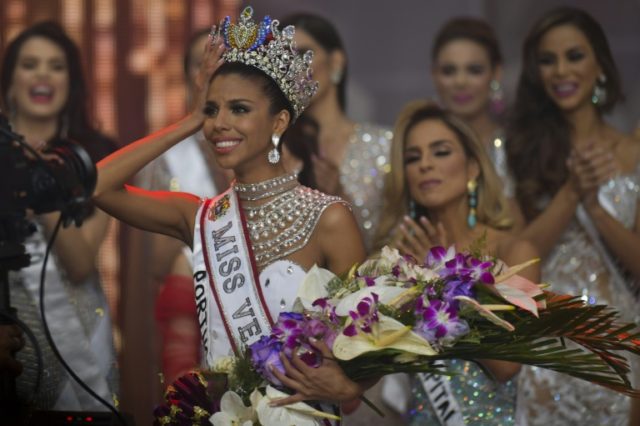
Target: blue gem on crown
[[264, 46]]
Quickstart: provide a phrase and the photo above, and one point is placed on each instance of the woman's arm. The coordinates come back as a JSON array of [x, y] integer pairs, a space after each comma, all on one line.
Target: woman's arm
[[77, 248], [163, 212], [545, 230], [340, 239]]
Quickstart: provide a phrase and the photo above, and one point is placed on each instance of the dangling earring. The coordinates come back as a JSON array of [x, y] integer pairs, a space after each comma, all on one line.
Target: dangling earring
[[274, 155], [336, 76], [599, 95], [412, 209], [496, 97], [472, 192]]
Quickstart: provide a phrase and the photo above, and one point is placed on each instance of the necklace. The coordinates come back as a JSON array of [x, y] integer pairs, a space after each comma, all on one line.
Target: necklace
[[285, 223], [267, 188]]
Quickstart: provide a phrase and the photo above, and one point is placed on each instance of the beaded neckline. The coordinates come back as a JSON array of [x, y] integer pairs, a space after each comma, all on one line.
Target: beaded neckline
[[267, 188]]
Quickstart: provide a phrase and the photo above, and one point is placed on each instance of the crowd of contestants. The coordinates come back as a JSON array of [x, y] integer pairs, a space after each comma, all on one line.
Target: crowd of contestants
[[544, 177]]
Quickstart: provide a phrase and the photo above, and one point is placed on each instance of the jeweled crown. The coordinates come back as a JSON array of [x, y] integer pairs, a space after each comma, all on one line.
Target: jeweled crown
[[272, 51]]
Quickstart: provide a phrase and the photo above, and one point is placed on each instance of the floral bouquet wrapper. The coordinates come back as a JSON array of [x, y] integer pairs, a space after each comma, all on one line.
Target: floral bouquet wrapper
[[393, 314]]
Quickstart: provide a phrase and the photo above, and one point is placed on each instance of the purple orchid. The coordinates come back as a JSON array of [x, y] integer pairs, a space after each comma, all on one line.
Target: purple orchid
[[290, 331], [365, 316], [438, 321], [480, 271], [265, 354]]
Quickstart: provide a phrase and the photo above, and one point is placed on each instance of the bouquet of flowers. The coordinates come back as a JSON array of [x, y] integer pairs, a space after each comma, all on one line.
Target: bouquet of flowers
[[393, 314]]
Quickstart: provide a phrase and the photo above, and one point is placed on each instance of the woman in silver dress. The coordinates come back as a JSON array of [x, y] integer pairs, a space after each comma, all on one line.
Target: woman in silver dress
[[353, 157], [45, 96], [577, 181]]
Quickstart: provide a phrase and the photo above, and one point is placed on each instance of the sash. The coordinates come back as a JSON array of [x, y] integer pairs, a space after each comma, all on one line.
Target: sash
[[233, 283], [437, 389]]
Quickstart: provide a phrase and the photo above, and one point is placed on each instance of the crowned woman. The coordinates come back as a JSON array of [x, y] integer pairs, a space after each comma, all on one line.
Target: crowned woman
[[253, 243]]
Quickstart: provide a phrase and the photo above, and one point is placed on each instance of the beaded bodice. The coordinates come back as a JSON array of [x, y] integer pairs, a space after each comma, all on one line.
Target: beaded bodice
[[281, 222]]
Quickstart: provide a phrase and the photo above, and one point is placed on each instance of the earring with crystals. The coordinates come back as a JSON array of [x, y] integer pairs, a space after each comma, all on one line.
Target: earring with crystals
[[472, 192], [599, 95], [274, 155], [336, 76], [496, 97]]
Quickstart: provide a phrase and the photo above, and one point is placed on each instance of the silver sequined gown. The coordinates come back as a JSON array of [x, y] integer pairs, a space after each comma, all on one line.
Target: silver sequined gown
[[79, 321], [575, 266], [362, 175], [483, 401]]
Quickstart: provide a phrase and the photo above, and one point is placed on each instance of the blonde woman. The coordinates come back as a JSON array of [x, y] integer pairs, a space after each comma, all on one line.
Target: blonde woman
[[443, 190]]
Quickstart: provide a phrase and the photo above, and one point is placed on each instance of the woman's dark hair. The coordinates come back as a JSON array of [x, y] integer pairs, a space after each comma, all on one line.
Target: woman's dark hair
[[277, 100], [538, 134], [74, 117], [326, 35], [301, 139], [467, 28], [186, 59]]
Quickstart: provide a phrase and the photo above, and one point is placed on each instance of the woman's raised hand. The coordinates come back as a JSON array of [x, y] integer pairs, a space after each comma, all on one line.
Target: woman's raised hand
[[211, 61], [591, 167], [416, 238]]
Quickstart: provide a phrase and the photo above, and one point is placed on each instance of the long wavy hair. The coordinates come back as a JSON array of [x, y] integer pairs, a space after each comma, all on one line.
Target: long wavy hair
[[538, 133], [74, 121], [492, 210]]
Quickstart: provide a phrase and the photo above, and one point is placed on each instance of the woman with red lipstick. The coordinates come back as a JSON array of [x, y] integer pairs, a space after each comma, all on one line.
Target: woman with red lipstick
[[253, 243], [442, 179], [577, 181], [467, 73], [45, 97]]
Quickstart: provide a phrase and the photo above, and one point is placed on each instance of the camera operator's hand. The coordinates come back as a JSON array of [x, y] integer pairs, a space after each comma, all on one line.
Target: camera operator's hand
[[11, 341]]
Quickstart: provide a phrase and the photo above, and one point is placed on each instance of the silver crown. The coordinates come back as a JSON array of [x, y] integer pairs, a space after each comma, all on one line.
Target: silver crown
[[264, 46]]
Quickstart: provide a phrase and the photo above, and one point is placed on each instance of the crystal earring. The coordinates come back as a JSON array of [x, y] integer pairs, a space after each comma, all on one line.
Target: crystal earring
[[496, 97], [472, 192], [599, 95], [336, 76], [274, 155]]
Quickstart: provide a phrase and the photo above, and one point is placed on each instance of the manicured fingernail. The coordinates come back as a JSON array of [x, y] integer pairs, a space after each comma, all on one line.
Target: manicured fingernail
[[313, 339]]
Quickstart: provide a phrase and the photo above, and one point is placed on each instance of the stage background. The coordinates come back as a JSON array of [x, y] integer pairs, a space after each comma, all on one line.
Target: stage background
[[133, 55]]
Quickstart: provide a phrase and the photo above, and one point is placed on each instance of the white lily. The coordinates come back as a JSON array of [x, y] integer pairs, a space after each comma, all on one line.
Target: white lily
[[388, 333], [313, 287], [233, 412], [299, 413]]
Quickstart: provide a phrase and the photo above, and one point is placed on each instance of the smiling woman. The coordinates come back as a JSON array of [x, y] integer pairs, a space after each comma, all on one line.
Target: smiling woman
[[253, 243], [44, 94], [577, 181]]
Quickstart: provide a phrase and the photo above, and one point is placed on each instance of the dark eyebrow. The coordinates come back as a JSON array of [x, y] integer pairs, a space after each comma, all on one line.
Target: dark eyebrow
[[231, 101]]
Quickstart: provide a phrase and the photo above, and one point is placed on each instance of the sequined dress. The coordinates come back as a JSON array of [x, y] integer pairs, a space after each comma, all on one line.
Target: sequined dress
[[79, 321], [576, 266], [483, 401], [362, 175]]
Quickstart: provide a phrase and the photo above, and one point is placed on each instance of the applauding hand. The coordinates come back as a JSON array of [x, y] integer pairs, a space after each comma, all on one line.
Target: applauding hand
[[417, 237]]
